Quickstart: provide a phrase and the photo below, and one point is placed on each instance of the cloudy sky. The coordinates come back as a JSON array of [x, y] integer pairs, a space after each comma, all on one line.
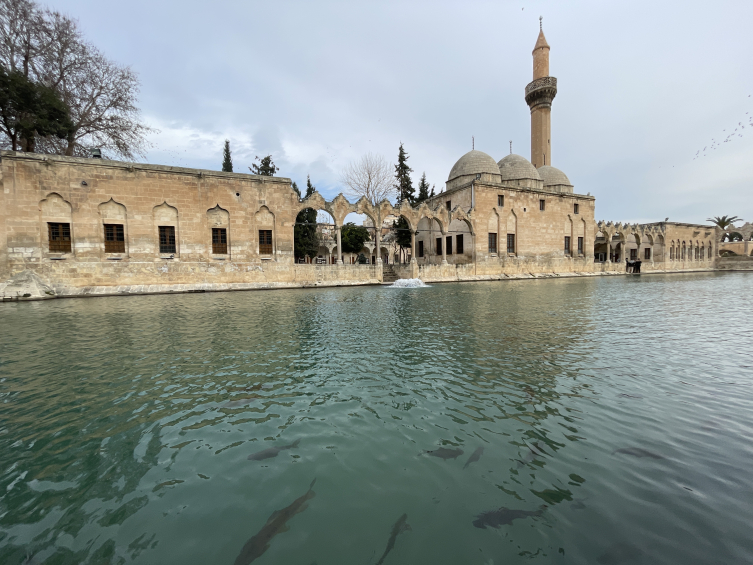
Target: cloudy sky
[[649, 92]]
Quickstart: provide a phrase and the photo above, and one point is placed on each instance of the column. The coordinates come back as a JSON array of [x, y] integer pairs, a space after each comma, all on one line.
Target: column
[[413, 246], [444, 249], [378, 240], [339, 246]]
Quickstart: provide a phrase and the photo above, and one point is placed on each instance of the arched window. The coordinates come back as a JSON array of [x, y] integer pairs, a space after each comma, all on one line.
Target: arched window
[[683, 250], [703, 252]]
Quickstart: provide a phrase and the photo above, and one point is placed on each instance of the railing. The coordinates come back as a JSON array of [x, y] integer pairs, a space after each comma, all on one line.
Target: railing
[[541, 83]]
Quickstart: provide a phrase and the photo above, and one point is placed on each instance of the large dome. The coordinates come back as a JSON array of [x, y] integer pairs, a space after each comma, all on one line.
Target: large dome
[[473, 163], [553, 177], [515, 167]]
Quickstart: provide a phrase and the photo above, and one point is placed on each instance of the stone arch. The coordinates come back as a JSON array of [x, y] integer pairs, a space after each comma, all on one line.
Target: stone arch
[[56, 230], [114, 228], [493, 227], [512, 245], [658, 251], [581, 244], [167, 230], [569, 237], [218, 220], [266, 233], [601, 245]]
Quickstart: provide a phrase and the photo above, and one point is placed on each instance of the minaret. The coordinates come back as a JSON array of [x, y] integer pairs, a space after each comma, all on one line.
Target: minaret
[[539, 95]]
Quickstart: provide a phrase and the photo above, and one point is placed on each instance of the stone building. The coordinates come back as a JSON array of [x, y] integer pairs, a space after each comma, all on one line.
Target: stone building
[[72, 226]]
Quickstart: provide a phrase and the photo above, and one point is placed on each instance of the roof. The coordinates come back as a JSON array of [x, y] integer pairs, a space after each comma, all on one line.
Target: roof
[[514, 167], [473, 163], [552, 176]]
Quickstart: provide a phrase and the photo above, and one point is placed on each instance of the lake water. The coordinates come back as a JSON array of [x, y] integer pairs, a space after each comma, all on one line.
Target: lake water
[[616, 412]]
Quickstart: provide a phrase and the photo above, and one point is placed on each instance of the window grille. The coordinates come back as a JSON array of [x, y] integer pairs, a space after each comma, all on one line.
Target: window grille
[[439, 246], [492, 243], [580, 246], [449, 245], [511, 243], [59, 237], [420, 248], [459, 246], [265, 242], [696, 253], [542, 205], [709, 254], [576, 207], [501, 200], [167, 239], [567, 245], [114, 238], [219, 241], [647, 253], [633, 254], [672, 253]]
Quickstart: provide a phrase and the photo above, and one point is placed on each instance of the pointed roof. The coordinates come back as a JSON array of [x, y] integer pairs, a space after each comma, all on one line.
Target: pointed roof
[[541, 41]]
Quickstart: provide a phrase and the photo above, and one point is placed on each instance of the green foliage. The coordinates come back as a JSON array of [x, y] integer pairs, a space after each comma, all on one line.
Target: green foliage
[[28, 110], [294, 186], [403, 183], [402, 232], [726, 222], [227, 160], [266, 166], [353, 237], [306, 239], [423, 190]]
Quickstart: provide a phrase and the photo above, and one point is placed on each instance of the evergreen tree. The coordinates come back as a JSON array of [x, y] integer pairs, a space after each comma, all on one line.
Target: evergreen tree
[[294, 186], [29, 110], [423, 189], [402, 233], [227, 160], [403, 182], [266, 166], [353, 237], [431, 194], [305, 237]]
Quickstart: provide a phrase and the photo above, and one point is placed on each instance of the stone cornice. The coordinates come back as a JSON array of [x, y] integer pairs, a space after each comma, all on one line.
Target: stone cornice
[[133, 167]]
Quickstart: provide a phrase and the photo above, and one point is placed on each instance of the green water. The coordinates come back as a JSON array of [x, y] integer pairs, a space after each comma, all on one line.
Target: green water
[[126, 423]]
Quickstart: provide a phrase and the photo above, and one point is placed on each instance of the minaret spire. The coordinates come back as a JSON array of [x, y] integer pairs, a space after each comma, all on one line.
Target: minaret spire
[[539, 95]]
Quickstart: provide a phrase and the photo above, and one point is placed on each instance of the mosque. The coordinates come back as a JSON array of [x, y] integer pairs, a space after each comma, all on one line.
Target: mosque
[[74, 226]]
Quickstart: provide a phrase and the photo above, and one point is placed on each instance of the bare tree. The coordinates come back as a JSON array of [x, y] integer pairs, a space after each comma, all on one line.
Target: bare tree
[[49, 48], [370, 176]]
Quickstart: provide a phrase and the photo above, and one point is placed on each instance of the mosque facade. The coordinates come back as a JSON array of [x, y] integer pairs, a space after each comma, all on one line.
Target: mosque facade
[[72, 226]]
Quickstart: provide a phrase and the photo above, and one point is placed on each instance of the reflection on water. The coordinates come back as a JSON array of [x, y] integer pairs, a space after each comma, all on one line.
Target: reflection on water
[[571, 421]]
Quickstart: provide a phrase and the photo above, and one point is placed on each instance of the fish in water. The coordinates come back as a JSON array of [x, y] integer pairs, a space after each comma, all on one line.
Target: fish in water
[[276, 524], [271, 451], [399, 527], [446, 453], [531, 456], [638, 452], [475, 456], [503, 516]]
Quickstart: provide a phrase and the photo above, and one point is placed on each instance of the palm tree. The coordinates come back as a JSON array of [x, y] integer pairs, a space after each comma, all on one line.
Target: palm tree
[[725, 222]]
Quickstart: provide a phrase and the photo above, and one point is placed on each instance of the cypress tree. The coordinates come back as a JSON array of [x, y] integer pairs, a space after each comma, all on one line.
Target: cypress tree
[[305, 237], [294, 186], [227, 160], [266, 166], [403, 182], [423, 189]]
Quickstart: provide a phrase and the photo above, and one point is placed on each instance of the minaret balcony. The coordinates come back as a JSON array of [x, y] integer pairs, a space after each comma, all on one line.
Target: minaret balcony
[[541, 92]]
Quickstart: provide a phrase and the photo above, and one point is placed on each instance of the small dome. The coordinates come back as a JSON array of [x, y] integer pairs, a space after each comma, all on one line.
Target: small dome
[[473, 163], [515, 167], [552, 176]]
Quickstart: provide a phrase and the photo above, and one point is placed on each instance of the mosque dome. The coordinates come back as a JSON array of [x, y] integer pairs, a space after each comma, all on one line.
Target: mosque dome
[[515, 167], [473, 163], [553, 177]]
